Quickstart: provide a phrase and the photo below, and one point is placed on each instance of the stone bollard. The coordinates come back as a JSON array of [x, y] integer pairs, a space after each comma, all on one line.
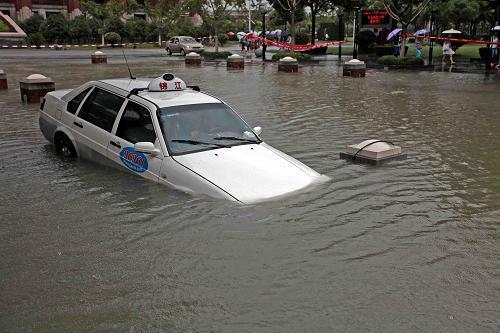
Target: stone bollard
[[192, 58], [354, 68], [34, 87], [235, 61], [99, 57], [288, 64], [3, 80]]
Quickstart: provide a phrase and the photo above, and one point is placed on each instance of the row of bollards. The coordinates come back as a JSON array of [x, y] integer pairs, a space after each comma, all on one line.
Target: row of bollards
[[34, 87]]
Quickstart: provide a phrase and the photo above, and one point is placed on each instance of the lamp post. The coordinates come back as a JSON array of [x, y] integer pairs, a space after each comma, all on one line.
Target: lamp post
[[251, 5], [341, 33], [433, 23], [355, 29], [264, 9]]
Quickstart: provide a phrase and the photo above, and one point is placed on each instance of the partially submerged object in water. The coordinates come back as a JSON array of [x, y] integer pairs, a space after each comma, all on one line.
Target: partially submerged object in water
[[373, 152]]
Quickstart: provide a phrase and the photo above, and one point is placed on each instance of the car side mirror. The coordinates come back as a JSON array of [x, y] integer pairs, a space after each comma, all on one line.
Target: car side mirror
[[146, 148], [257, 130]]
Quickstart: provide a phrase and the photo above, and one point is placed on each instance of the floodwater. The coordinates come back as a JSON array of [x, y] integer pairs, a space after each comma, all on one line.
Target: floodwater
[[409, 246]]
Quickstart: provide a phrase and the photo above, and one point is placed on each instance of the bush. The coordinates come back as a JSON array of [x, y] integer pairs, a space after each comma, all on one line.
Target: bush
[[32, 24], [216, 55], [365, 39], [300, 56], [390, 60], [137, 30], [112, 38], [4, 27], [383, 50], [80, 29], [55, 28], [301, 38], [222, 39], [36, 39]]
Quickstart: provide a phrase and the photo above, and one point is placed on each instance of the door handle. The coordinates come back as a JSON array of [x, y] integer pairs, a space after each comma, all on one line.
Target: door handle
[[76, 123], [116, 144]]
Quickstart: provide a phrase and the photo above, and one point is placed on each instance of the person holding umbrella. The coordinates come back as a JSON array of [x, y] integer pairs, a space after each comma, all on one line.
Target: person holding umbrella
[[494, 48], [448, 51], [394, 33]]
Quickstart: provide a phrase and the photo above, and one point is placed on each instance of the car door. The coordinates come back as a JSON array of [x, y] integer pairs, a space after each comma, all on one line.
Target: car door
[[176, 48], [136, 125], [94, 123]]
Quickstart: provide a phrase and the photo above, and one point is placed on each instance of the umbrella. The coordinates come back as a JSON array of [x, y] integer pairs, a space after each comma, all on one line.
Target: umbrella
[[451, 32], [422, 32], [393, 33], [230, 33], [496, 28]]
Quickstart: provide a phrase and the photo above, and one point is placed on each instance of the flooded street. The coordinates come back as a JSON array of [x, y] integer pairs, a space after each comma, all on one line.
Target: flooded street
[[412, 245]]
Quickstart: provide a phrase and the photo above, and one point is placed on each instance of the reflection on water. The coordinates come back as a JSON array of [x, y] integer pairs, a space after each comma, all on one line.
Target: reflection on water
[[411, 245]]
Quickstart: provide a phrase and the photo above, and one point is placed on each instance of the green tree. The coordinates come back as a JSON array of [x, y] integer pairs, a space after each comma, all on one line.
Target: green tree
[[80, 28], [405, 12], [32, 24], [317, 6], [290, 10], [55, 28], [136, 30], [461, 12], [164, 13], [106, 14], [214, 12]]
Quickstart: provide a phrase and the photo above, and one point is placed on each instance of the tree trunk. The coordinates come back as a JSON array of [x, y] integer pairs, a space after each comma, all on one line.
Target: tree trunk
[[403, 42], [102, 38], [313, 25], [292, 26], [159, 38], [216, 38]]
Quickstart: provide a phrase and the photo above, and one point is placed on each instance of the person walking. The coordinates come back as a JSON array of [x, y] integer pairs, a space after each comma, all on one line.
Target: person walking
[[448, 53], [418, 47]]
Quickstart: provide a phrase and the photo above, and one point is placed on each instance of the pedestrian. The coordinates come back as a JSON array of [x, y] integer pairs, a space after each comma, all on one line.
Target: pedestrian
[[243, 42], [494, 51], [448, 53], [418, 52], [397, 47]]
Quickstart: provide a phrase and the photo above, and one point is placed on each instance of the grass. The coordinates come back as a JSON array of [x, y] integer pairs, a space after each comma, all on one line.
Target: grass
[[466, 51], [346, 50]]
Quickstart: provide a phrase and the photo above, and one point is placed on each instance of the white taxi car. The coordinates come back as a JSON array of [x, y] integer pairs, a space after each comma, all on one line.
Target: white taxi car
[[172, 134]]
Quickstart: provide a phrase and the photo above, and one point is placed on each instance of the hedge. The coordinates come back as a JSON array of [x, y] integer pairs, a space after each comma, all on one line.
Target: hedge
[[383, 50], [390, 60], [300, 56], [216, 55]]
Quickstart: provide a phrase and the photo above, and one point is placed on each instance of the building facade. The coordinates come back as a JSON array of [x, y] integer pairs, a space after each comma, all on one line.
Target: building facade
[[20, 10]]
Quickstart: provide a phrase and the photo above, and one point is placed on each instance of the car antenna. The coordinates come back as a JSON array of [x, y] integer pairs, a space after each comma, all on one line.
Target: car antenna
[[126, 62]]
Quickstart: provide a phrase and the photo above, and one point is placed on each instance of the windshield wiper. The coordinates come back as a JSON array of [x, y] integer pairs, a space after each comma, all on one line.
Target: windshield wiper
[[235, 138], [194, 142]]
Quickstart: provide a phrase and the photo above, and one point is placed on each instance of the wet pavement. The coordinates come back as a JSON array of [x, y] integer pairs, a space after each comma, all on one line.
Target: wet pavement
[[411, 245]]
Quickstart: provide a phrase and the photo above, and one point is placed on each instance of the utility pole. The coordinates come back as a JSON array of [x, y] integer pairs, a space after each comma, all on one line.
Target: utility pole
[[341, 33]]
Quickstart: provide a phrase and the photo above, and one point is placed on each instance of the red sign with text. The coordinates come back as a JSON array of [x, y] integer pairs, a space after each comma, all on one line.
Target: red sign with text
[[375, 17]]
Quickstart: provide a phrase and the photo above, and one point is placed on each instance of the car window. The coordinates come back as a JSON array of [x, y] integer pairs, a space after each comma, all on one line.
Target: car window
[[75, 102], [101, 109], [176, 40], [136, 124], [171, 40], [197, 127], [188, 40]]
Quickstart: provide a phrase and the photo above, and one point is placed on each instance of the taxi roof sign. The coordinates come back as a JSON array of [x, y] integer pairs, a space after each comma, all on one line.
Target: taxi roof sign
[[167, 82]]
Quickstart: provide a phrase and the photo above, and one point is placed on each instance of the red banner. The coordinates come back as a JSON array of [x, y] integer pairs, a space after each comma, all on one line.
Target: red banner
[[449, 39], [303, 47]]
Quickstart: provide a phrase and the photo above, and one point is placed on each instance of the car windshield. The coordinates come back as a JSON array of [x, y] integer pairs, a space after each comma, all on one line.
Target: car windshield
[[198, 127], [188, 40]]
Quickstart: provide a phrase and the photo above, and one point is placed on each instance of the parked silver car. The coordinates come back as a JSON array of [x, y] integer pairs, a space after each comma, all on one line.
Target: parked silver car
[[183, 45]]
